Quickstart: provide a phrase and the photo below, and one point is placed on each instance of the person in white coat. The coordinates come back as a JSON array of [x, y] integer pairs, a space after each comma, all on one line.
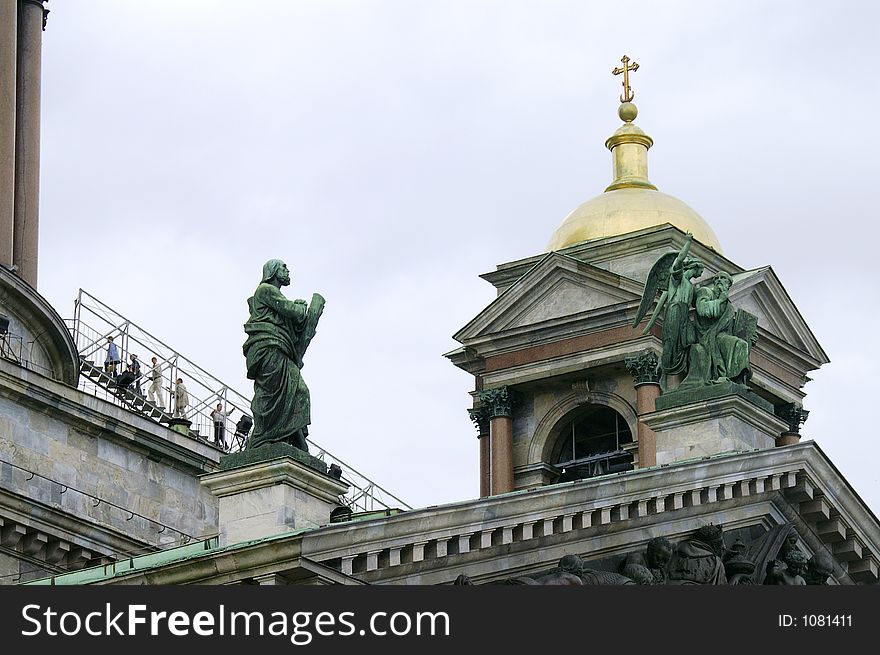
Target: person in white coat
[[181, 399]]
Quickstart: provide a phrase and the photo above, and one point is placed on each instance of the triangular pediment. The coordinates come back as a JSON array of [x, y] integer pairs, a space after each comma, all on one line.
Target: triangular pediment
[[555, 288], [761, 293]]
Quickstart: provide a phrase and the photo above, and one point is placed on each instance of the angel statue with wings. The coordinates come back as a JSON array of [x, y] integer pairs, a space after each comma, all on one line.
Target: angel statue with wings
[[672, 274], [713, 347]]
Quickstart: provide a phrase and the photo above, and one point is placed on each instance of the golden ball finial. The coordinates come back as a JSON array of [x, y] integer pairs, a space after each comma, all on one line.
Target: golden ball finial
[[627, 112]]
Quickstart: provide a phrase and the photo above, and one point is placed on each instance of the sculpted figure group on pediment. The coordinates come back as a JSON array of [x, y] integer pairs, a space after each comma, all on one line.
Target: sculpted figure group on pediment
[[701, 559]]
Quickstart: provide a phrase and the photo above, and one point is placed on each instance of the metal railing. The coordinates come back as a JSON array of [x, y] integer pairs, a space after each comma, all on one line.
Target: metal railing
[[94, 321], [596, 465], [13, 348]]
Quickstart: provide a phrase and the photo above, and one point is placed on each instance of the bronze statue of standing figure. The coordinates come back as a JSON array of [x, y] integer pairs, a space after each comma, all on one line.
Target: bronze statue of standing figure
[[278, 333]]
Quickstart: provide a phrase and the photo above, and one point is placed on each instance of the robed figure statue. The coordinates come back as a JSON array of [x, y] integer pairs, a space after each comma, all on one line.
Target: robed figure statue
[[706, 340], [278, 332], [724, 336]]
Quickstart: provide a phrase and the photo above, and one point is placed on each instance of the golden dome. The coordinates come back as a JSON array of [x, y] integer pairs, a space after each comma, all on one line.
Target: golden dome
[[630, 202], [628, 210]]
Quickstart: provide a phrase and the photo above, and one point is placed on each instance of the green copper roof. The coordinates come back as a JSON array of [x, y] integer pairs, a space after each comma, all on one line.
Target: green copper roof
[[152, 561]]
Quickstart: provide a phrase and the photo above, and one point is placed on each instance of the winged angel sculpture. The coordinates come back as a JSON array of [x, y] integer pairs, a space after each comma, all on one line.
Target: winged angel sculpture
[[712, 347]]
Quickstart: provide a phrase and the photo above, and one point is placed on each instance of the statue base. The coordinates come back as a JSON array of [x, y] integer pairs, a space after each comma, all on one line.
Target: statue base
[[269, 452], [712, 420], [678, 397], [271, 495]]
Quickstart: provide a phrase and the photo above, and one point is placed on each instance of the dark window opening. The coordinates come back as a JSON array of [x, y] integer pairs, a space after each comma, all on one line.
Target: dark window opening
[[592, 443]]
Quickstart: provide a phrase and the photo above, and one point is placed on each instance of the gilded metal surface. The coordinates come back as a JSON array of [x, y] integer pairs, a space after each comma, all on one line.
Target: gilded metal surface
[[629, 133], [627, 112], [629, 153], [631, 202], [627, 210], [628, 94]]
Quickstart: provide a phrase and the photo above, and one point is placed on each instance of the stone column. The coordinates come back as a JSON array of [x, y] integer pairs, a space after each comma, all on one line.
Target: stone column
[[499, 404], [8, 48], [27, 139], [480, 417], [646, 375], [795, 416]]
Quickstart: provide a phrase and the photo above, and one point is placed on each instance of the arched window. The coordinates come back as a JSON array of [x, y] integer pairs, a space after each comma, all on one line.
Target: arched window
[[591, 443]]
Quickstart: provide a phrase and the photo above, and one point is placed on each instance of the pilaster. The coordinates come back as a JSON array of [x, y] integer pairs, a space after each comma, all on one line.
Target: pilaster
[[499, 404], [646, 376]]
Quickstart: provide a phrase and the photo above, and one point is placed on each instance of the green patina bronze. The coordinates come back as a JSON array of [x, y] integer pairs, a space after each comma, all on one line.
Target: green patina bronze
[[644, 367], [705, 338], [724, 335], [499, 402], [269, 452], [678, 397], [279, 332], [794, 414]]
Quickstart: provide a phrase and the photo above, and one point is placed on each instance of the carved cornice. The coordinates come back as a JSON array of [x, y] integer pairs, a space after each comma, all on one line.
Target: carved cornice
[[499, 402], [644, 367], [781, 479], [543, 524], [794, 415]]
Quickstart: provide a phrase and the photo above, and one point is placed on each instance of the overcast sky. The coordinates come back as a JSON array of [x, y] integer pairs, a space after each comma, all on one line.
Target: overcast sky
[[392, 151]]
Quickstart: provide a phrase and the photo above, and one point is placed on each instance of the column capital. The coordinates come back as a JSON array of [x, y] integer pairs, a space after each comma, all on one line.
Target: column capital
[[500, 401], [793, 414], [480, 417], [644, 367]]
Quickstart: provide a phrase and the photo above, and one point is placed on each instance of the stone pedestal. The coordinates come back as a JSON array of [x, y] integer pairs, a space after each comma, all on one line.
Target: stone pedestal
[[718, 423], [271, 497]]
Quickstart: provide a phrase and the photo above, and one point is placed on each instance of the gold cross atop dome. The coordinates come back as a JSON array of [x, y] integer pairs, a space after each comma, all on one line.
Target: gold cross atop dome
[[628, 94], [631, 203]]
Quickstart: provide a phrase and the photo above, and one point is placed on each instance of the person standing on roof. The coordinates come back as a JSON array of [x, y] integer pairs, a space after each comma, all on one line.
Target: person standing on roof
[[154, 391], [134, 366], [112, 360], [219, 417], [181, 399]]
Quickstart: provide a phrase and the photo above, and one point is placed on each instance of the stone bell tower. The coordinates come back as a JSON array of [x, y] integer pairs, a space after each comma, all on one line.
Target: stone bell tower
[[566, 387], [21, 37]]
